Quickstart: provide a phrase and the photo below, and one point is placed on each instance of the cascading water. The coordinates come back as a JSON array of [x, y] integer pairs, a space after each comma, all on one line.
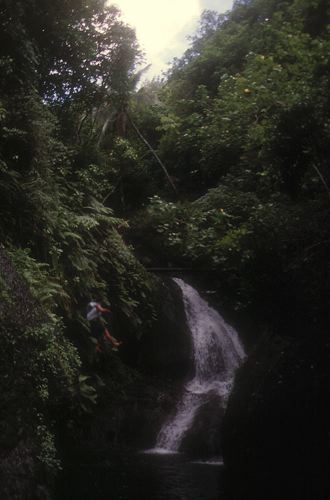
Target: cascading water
[[217, 353]]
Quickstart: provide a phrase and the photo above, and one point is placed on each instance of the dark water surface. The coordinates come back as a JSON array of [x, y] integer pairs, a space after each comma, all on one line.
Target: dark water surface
[[142, 476]]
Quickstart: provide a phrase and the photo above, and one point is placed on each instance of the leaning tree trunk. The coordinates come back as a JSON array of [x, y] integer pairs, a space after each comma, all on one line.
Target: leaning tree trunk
[[154, 154]]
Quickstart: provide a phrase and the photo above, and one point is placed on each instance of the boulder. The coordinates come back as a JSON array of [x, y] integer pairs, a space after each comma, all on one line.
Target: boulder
[[276, 430], [166, 351], [204, 437]]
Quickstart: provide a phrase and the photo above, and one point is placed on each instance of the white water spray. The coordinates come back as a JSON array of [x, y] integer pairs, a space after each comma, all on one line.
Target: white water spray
[[217, 353]]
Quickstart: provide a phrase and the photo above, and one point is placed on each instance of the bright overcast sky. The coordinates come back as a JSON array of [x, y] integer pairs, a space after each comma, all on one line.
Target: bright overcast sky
[[162, 26]]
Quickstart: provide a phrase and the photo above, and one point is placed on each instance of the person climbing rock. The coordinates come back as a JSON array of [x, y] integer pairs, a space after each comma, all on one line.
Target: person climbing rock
[[98, 324]]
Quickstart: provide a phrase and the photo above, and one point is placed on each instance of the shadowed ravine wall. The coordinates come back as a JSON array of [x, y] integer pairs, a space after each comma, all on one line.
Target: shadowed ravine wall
[[276, 431]]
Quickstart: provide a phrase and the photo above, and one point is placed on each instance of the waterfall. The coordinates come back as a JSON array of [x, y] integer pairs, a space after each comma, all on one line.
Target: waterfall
[[217, 353]]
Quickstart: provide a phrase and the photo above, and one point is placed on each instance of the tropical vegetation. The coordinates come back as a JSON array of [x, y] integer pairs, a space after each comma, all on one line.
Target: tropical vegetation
[[219, 167]]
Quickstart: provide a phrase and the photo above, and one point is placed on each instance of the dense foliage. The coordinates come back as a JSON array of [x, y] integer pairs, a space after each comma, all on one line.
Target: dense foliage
[[222, 167], [66, 74], [64, 67], [244, 131]]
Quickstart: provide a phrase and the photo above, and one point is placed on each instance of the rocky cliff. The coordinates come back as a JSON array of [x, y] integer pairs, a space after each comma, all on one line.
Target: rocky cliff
[[276, 432]]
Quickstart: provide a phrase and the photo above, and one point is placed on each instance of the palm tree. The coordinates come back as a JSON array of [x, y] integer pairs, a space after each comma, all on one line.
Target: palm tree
[[114, 110]]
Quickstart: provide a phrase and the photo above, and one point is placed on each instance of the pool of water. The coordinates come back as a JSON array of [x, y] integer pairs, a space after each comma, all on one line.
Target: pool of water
[[144, 476]]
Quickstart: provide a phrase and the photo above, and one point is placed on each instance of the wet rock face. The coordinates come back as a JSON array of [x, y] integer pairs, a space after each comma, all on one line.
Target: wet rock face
[[18, 473], [134, 421], [128, 419], [276, 430], [21, 309], [134, 416], [204, 437], [167, 350]]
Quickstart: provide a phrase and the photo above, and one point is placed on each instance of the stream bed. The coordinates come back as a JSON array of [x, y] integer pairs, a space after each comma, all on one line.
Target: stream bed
[[143, 476]]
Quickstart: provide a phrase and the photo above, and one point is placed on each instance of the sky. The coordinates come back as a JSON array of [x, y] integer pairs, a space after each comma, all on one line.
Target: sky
[[162, 26]]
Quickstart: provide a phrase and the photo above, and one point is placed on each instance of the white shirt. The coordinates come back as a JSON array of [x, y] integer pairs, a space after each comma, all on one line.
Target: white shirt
[[93, 313]]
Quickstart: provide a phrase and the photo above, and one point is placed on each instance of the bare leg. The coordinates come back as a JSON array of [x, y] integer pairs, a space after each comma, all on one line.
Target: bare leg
[[112, 339]]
